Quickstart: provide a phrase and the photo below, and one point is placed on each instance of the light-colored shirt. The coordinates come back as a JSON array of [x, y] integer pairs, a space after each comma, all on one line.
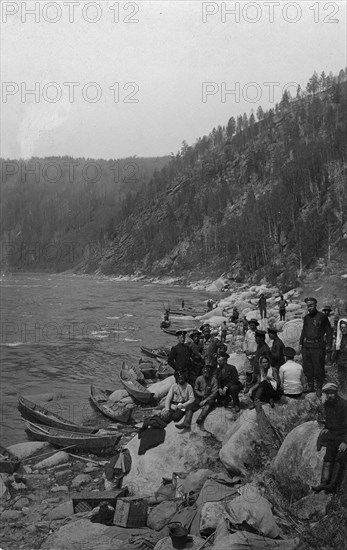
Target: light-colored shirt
[[291, 374], [249, 344], [179, 394]]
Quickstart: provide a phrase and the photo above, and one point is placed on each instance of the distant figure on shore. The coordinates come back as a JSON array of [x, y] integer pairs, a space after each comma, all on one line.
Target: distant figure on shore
[[182, 304], [262, 306], [282, 304], [291, 375], [334, 438], [340, 354], [209, 305], [223, 332], [267, 384], [313, 345], [166, 315], [277, 357], [234, 316]]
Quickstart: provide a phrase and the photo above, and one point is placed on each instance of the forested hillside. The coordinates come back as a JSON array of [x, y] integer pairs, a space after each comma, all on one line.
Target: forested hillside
[[264, 194]]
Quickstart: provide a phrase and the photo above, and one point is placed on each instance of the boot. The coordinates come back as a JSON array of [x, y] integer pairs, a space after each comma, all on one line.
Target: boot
[[187, 421], [326, 473], [331, 486], [204, 412]]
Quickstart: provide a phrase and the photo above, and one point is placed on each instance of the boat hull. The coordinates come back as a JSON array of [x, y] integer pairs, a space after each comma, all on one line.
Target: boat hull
[[138, 392], [99, 398]]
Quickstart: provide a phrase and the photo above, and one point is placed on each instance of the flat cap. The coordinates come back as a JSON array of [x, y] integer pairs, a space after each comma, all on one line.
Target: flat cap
[[253, 321], [329, 387], [307, 300]]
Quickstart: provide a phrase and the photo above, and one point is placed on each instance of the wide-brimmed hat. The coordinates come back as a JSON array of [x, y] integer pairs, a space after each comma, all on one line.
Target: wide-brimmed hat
[[289, 352], [253, 321], [330, 387], [181, 332], [272, 329], [221, 347], [223, 354], [195, 333]]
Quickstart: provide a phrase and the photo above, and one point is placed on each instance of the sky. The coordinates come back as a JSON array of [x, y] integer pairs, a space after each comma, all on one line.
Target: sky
[[117, 79]]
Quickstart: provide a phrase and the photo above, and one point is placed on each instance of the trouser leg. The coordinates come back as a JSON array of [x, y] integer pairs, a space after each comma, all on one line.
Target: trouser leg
[[233, 391], [318, 360], [307, 366], [204, 412]]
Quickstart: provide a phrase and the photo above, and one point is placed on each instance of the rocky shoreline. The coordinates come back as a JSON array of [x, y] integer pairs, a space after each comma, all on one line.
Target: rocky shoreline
[[264, 454]]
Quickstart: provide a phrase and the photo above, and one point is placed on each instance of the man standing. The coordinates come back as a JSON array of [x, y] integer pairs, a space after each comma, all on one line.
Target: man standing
[[282, 304], [210, 345], [196, 356], [223, 332], [262, 306], [291, 375], [340, 354], [316, 326], [277, 357], [179, 356], [334, 438]]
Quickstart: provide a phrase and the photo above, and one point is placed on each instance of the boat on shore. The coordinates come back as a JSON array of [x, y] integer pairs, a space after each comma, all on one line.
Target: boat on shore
[[132, 386], [96, 443], [100, 399], [156, 353], [134, 371], [9, 463], [38, 414]]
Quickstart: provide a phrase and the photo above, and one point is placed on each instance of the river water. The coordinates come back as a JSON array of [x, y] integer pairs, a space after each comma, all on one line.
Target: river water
[[62, 332]]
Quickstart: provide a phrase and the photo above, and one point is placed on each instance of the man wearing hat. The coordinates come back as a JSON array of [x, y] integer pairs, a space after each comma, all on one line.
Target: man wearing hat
[[197, 360], [229, 385], [209, 345], [334, 438], [316, 326], [180, 355], [291, 374], [249, 344], [277, 357]]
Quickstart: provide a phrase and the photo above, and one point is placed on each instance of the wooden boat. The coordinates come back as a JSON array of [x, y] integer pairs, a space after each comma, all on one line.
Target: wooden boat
[[149, 369], [138, 392], [100, 398], [41, 415], [134, 371], [186, 312], [156, 353], [9, 463], [96, 443]]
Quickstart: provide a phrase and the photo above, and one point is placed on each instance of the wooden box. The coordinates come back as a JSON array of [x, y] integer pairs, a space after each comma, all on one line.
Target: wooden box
[[131, 512], [86, 501]]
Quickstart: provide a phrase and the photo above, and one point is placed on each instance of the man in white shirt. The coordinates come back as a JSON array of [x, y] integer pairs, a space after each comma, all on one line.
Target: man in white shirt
[[291, 375]]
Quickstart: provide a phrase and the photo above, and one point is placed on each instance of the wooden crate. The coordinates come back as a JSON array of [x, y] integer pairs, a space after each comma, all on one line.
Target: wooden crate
[[86, 501], [131, 512]]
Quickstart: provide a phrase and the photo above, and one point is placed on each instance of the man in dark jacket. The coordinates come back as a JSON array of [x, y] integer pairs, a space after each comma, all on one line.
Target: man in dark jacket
[[316, 335], [229, 385], [179, 356], [210, 345], [334, 438], [277, 357], [197, 360]]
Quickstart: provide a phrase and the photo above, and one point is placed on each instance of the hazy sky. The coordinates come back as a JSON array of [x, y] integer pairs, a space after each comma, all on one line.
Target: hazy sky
[[139, 69]]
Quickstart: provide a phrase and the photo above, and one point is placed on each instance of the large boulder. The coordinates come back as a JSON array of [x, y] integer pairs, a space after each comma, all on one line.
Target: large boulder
[[180, 452], [291, 332], [298, 459], [219, 422], [238, 444]]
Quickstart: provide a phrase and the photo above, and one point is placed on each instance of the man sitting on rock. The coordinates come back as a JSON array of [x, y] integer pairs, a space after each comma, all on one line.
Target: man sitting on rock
[[180, 395], [277, 357], [229, 385], [249, 347], [291, 375], [334, 438], [206, 389], [262, 349]]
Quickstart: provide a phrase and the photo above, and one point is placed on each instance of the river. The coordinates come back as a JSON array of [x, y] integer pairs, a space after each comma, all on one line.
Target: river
[[62, 332]]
